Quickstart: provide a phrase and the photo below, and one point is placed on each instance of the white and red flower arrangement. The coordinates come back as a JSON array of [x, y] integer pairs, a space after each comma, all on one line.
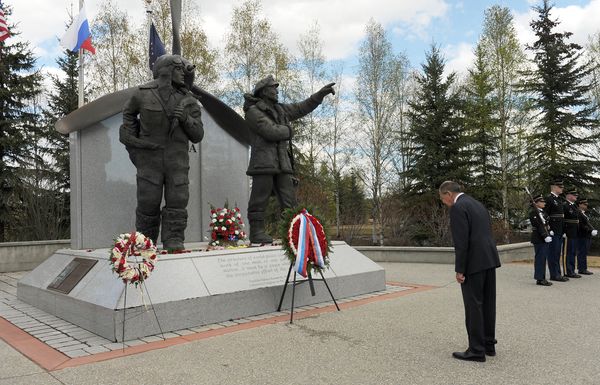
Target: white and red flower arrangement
[[305, 241], [226, 226], [133, 245]]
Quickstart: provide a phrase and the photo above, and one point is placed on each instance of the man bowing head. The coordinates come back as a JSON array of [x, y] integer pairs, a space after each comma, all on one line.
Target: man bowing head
[[476, 260]]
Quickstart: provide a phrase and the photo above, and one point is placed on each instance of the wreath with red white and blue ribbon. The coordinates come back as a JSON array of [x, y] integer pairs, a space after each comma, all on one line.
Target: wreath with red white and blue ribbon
[[306, 243]]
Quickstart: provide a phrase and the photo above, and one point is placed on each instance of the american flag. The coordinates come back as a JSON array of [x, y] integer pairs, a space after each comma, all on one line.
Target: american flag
[[4, 34]]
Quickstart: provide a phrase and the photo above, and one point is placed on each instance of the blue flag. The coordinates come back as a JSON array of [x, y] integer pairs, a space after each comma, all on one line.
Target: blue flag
[[155, 48]]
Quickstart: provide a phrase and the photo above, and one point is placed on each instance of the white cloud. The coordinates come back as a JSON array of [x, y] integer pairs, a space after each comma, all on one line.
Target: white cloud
[[43, 22], [459, 57], [342, 21], [580, 20]]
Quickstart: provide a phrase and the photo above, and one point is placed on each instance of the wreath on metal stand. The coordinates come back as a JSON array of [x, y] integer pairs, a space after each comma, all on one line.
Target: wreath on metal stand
[[307, 246], [134, 245]]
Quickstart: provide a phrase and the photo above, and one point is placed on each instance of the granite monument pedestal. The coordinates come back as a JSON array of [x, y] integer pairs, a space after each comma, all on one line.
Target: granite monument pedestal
[[190, 289]]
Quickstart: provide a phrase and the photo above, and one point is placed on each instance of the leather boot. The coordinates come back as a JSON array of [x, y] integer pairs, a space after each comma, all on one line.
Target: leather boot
[[257, 228], [174, 222], [147, 225]]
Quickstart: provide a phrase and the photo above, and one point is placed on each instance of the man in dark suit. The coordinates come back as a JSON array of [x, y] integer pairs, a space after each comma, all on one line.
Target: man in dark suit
[[476, 260]]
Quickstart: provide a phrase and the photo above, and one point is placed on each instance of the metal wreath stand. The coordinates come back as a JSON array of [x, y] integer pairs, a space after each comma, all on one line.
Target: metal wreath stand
[[296, 282], [144, 288]]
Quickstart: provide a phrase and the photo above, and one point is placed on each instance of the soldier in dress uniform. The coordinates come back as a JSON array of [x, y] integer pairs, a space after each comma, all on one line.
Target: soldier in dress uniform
[[584, 241], [541, 239], [571, 228], [555, 210]]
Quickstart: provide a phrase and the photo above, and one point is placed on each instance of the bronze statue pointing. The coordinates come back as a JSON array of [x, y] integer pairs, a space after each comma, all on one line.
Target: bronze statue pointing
[[271, 160], [159, 121]]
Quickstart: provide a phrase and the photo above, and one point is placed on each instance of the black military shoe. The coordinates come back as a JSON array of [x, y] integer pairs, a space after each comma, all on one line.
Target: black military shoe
[[585, 272], [543, 282], [559, 279], [491, 351], [573, 275], [468, 356]]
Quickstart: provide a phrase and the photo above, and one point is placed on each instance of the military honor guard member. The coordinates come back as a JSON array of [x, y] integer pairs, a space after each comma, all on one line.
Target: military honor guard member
[[541, 239], [555, 210], [585, 233], [571, 226], [476, 260]]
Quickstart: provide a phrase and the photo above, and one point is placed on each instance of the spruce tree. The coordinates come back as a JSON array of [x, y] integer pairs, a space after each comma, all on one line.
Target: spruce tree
[[62, 102], [481, 124], [435, 115], [19, 85], [559, 92]]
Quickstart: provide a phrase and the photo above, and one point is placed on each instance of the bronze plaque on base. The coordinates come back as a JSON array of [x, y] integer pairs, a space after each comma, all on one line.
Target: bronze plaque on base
[[71, 275]]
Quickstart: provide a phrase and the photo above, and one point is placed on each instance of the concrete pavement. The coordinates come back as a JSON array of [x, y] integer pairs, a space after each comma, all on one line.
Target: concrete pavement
[[546, 335]]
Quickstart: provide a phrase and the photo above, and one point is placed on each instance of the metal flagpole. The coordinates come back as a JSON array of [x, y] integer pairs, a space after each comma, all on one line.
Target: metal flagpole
[[148, 25], [81, 97]]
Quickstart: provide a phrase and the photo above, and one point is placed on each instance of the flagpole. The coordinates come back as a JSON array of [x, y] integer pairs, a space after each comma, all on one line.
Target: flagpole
[[81, 101], [148, 24]]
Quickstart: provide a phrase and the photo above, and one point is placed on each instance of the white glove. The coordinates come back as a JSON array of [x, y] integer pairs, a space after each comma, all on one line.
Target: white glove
[[594, 233], [551, 233], [548, 239], [564, 236]]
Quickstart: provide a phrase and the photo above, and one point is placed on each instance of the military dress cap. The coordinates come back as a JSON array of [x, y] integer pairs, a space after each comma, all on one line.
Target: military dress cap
[[582, 201], [539, 198], [557, 182], [266, 82], [571, 192]]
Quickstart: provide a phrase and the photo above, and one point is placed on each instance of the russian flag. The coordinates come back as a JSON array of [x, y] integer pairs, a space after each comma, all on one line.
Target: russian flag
[[78, 35]]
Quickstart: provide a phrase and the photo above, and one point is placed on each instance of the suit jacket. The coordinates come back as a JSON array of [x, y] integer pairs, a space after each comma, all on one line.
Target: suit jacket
[[474, 246]]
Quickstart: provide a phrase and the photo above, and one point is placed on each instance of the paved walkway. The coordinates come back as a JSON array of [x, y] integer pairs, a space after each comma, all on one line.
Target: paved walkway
[[546, 336]]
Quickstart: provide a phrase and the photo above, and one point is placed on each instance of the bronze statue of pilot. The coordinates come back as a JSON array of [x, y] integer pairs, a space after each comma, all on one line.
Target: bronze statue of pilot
[[159, 121]]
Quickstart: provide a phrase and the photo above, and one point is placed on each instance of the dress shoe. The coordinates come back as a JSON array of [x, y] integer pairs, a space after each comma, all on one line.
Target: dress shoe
[[585, 272], [490, 352], [543, 282], [468, 356], [573, 275], [559, 279]]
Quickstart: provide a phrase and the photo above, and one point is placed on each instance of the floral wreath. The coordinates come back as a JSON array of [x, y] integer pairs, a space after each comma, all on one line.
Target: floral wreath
[[135, 244], [299, 225]]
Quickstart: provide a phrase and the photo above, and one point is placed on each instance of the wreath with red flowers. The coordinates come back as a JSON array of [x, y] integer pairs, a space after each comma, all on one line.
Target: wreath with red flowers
[[137, 245], [289, 231]]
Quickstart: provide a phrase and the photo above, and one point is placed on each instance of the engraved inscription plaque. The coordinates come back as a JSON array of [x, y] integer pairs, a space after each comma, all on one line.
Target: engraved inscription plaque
[[238, 272], [71, 275]]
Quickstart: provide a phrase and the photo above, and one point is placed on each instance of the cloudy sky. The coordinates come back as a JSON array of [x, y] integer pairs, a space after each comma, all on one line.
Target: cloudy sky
[[412, 24]]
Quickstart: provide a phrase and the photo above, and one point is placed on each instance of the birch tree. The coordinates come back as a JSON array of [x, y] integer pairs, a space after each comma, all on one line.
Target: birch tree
[[252, 50], [377, 97], [506, 58]]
